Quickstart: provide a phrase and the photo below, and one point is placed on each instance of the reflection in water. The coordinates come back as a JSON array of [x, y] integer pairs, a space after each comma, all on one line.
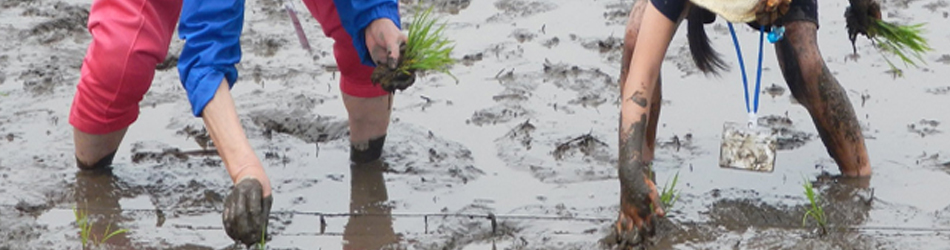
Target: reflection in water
[[98, 194], [371, 225]]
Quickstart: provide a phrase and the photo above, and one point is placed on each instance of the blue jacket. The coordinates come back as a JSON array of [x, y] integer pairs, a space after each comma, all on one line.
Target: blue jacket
[[212, 33], [356, 15]]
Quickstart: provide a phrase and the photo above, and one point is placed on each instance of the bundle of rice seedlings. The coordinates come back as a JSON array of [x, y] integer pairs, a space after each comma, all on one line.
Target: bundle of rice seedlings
[[426, 49], [904, 41], [901, 40]]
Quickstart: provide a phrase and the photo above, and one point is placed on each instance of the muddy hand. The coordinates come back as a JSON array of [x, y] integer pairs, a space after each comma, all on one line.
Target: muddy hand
[[246, 211], [860, 15], [639, 205], [386, 44]]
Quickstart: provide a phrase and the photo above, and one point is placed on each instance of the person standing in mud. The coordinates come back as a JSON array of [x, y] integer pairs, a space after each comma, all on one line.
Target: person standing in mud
[[805, 73], [366, 34], [129, 39]]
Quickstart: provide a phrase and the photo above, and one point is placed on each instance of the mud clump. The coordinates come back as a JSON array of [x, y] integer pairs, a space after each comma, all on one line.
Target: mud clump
[[610, 44], [267, 47], [787, 137], [593, 86], [585, 144], [924, 127], [303, 126], [426, 161], [617, 13], [522, 35], [471, 59], [443, 6], [44, 79], [511, 9], [495, 115], [68, 21]]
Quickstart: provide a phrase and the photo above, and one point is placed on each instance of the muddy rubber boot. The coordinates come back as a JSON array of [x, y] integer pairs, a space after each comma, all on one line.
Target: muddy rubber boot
[[364, 152], [105, 162]]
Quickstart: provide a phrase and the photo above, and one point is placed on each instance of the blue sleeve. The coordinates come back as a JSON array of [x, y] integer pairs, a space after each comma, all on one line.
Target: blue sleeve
[[356, 15], [212, 31]]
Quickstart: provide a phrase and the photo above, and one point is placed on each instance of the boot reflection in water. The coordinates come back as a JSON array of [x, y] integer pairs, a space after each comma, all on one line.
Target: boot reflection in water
[[371, 225], [97, 194]]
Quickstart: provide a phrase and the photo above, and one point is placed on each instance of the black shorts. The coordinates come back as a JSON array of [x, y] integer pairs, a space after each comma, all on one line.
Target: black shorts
[[799, 10]]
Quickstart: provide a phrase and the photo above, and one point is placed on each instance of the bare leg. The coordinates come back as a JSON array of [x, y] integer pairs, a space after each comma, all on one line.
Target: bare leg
[[814, 87], [369, 120], [221, 119]]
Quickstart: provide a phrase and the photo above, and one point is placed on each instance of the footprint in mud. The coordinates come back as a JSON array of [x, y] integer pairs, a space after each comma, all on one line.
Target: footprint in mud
[[593, 86], [924, 127], [787, 137], [511, 9], [67, 21], [556, 158]]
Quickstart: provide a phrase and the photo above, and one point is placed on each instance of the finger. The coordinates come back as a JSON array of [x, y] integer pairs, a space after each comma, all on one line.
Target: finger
[[393, 49], [240, 213], [254, 210], [655, 200], [228, 215]]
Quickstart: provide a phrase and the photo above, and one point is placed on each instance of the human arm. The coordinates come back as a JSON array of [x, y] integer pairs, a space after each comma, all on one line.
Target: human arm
[[643, 57], [211, 30]]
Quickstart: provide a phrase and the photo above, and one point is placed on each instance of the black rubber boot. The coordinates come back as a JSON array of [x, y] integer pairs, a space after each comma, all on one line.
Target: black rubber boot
[[105, 162], [364, 152]]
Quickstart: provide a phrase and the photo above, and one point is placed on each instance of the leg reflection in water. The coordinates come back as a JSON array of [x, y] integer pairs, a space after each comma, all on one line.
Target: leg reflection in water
[[371, 225], [97, 195]]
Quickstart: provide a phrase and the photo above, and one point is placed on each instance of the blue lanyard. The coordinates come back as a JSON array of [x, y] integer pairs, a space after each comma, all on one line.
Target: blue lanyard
[[758, 76]]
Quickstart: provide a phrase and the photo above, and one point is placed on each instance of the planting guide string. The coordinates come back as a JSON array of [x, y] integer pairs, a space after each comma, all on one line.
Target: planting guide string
[[491, 217]]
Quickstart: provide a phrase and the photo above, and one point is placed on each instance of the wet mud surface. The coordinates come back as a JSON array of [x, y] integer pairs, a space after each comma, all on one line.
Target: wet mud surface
[[519, 154]]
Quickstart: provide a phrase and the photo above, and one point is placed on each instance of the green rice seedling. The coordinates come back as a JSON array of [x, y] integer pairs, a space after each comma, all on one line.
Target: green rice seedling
[[85, 227], [427, 48], [670, 194], [904, 41], [85, 230], [814, 211], [263, 244], [109, 234]]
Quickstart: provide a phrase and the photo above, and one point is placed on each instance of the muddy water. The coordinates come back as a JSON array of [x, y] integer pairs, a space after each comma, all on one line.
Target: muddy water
[[529, 130]]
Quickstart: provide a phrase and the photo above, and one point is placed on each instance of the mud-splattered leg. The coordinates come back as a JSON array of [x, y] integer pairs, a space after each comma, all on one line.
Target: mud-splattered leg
[[640, 98], [815, 87]]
